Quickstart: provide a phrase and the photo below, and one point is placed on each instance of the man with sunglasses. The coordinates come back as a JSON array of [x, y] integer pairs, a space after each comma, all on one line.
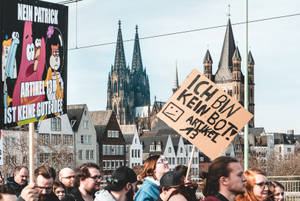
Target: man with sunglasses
[[67, 176], [121, 186], [87, 183]]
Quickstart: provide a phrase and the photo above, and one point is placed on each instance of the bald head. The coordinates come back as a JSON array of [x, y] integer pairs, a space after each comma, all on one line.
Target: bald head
[[66, 176]]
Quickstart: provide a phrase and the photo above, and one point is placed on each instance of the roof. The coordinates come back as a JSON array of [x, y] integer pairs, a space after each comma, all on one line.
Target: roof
[[101, 117], [128, 129], [75, 114], [100, 129], [207, 58], [224, 72], [128, 139]]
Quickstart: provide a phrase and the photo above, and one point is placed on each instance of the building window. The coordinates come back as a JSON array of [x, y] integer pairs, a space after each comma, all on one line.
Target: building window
[[85, 139], [87, 154], [55, 139], [80, 154], [121, 149], [44, 157], [139, 153], [44, 138], [68, 139], [85, 124], [170, 150], [230, 92], [92, 154], [112, 134], [55, 124], [289, 149]]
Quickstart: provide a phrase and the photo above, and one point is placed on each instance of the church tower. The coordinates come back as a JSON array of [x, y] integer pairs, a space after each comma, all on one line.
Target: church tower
[[229, 76], [127, 88], [139, 77], [119, 98]]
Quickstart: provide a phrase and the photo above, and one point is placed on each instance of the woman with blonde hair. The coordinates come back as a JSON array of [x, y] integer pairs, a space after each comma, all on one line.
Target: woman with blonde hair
[[257, 186], [154, 168]]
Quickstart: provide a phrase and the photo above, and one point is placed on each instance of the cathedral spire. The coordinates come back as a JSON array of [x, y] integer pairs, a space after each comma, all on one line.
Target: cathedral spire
[[120, 55], [176, 85], [137, 64], [225, 65], [228, 48]]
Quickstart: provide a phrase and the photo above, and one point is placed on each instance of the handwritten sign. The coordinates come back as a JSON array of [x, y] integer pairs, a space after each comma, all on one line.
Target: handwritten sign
[[204, 114]]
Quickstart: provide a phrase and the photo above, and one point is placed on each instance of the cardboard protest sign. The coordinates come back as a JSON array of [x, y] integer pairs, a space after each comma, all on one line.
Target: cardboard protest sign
[[33, 62], [204, 114]]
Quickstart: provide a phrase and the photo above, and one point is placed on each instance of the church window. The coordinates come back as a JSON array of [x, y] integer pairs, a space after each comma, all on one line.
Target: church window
[[115, 87]]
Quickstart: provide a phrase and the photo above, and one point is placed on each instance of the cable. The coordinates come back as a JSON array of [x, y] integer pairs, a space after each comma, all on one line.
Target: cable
[[187, 31]]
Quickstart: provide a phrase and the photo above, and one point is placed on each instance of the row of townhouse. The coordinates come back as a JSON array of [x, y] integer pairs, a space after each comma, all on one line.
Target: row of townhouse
[[83, 136]]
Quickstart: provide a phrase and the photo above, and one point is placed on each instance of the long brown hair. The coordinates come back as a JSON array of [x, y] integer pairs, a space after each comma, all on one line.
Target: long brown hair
[[250, 176], [149, 167]]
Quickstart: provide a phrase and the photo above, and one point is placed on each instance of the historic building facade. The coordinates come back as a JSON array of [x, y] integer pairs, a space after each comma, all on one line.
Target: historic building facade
[[128, 87], [229, 76]]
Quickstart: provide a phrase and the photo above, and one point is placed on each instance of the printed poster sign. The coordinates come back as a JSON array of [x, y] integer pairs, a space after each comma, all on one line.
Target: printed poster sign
[[204, 114], [34, 61]]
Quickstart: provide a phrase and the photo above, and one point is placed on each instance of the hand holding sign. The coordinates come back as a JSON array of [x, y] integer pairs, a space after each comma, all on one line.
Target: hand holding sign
[[205, 115]]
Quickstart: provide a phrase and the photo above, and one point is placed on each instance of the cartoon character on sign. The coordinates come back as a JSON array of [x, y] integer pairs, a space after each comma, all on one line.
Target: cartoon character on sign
[[54, 82], [32, 65], [9, 67]]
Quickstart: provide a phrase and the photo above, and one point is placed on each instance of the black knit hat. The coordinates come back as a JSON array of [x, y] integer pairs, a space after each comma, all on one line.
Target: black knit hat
[[171, 179], [120, 177]]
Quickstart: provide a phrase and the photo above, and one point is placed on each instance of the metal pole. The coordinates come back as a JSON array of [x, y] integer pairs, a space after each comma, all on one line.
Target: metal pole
[[246, 96], [31, 151]]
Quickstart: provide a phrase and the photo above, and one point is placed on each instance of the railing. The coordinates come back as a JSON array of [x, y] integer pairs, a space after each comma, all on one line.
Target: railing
[[291, 186]]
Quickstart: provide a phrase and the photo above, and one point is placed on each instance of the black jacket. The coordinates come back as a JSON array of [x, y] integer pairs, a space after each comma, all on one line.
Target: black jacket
[[17, 187], [75, 195], [50, 197]]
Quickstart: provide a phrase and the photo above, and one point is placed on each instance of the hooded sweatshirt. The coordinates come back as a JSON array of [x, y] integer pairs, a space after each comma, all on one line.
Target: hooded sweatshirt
[[104, 195], [149, 190]]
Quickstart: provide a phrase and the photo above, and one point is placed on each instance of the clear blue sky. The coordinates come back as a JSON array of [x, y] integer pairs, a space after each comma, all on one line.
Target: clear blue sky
[[274, 44]]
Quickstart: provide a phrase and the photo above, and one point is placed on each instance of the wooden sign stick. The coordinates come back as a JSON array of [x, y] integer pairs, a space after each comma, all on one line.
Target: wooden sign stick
[[31, 151], [190, 164]]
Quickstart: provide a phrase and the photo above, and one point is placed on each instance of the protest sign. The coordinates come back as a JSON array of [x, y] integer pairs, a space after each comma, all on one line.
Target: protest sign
[[33, 62], [204, 114]]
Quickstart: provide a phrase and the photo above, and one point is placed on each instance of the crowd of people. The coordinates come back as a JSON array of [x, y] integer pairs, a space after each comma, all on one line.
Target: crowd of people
[[225, 181]]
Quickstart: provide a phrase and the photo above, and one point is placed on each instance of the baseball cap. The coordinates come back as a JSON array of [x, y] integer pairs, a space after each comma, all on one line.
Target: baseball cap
[[171, 179], [120, 177]]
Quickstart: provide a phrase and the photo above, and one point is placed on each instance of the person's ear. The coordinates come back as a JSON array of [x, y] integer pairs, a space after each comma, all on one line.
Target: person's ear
[[223, 180], [128, 186]]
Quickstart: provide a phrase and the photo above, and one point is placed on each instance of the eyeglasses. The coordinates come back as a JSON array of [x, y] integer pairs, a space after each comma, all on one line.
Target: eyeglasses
[[263, 184], [96, 177], [47, 188], [162, 160], [69, 177]]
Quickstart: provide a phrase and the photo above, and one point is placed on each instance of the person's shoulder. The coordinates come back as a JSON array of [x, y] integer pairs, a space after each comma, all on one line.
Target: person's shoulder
[[177, 197], [103, 195], [211, 198], [68, 197]]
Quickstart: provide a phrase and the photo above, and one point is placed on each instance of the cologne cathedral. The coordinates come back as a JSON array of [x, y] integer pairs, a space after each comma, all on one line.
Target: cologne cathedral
[[128, 87]]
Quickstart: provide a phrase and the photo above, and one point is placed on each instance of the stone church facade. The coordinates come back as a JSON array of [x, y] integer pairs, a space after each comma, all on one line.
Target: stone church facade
[[229, 76], [128, 87]]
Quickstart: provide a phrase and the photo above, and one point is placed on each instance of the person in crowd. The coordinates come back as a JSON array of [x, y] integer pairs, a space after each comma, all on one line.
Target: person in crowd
[[1, 179], [189, 187], [225, 180], [87, 183], [44, 177], [154, 168], [59, 190], [19, 180], [66, 176], [121, 186], [278, 191], [172, 188], [183, 170], [257, 186], [7, 193]]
